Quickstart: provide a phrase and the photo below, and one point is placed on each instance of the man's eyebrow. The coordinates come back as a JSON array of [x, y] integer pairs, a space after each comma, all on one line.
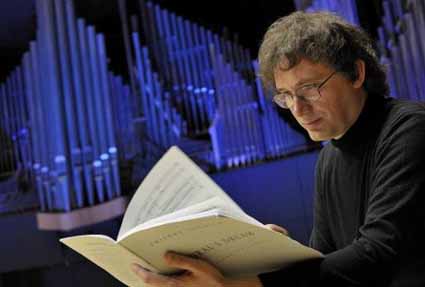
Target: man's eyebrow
[[299, 84]]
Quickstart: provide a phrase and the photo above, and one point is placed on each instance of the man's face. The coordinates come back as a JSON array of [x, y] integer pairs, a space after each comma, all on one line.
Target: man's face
[[335, 111]]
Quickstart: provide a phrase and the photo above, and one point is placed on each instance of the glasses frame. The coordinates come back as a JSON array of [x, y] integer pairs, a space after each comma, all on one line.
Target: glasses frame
[[281, 102]]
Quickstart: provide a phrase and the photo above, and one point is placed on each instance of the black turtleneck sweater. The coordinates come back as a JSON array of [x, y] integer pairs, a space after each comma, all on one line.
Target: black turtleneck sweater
[[369, 216]]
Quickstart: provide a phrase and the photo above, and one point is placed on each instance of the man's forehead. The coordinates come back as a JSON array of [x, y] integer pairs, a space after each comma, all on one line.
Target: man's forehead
[[304, 71]]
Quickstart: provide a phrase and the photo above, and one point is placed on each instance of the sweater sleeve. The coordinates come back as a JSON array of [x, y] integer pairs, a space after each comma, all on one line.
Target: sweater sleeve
[[394, 213]]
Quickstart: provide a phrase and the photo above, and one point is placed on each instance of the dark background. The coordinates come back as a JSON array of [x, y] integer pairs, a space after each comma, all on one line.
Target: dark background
[[248, 19]]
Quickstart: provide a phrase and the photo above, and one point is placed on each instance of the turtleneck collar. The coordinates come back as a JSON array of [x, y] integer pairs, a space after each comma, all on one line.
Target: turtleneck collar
[[365, 127]]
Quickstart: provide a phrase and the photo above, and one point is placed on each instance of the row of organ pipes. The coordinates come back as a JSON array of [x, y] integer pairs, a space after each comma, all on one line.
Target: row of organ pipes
[[402, 47], [209, 88], [68, 123], [57, 112], [347, 9]]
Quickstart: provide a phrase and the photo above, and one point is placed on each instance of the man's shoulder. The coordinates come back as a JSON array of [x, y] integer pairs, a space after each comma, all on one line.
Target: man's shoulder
[[404, 119], [399, 110]]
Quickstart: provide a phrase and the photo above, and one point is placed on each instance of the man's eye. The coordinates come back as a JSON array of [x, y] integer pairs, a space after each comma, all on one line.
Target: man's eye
[[309, 87]]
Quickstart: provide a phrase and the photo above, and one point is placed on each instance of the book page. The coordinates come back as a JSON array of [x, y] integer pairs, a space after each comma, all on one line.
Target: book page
[[174, 183], [214, 205], [235, 247], [110, 256]]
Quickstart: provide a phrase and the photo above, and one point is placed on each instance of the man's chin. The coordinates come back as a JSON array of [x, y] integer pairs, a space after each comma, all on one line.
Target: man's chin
[[318, 136]]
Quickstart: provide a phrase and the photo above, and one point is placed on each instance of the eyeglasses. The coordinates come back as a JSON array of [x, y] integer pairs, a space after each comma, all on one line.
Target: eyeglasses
[[307, 93]]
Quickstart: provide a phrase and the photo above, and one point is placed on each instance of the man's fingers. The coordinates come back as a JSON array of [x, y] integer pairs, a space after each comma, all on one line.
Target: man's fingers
[[188, 263], [151, 278], [277, 228]]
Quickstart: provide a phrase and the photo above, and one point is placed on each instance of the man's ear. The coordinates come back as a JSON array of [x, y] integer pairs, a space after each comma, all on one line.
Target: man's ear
[[361, 73]]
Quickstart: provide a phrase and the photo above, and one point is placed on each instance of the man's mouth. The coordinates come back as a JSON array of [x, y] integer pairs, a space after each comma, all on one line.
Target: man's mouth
[[310, 123]]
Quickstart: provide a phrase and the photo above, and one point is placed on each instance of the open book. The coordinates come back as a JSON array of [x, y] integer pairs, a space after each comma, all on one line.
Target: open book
[[179, 208]]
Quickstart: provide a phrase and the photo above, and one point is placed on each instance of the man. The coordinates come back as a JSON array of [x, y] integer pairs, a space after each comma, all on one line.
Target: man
[[370, 186]]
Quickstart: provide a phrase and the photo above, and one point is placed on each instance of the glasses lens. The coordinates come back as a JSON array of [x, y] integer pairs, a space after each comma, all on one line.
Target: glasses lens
[[308, 94], [281, 100]]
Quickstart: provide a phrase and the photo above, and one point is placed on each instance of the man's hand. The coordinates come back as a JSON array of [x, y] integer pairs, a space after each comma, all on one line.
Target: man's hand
[[277, 228], [199, 273]]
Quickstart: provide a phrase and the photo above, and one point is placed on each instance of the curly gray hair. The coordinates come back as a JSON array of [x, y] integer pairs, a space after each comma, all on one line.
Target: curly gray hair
[[320, 37]]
